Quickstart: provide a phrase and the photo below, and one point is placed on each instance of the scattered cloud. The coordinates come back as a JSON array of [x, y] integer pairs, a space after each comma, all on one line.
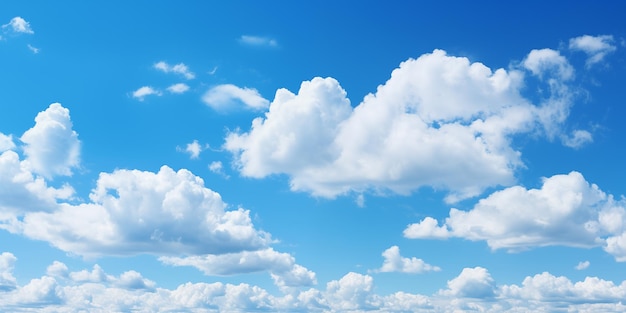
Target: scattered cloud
[[179, 68], [582, 265], [227, 96], [578, 139], [394, 262], [439, 121], [474, 289], [193, 149], [33, 49], [18, 25], [565, 211], [258, 41], [217, 168], [178, 88], [596, 47], [52, 146], [145, 91]]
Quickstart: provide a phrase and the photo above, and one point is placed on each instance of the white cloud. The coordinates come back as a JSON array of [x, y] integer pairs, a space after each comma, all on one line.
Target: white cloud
[[394, 262], [472, 283], [7, 280], [178, 88], [578, 139], [224, 97], [194, 148], [258, 41], [427, 229], [52, 146], [596, 47], [543, 61], [566, 211], [215, 167], [472, 290], [18, 25], [582, 265], [179, 68], [145, 91], [6, 142], [33, 49], [134, 212], [439, 121]]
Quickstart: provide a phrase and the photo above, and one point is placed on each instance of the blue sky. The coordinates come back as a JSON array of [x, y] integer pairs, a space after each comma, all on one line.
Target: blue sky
[[330, 157]]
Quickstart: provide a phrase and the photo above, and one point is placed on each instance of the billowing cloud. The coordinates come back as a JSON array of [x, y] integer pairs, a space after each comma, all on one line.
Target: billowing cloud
[[6, 142], [472, 283], [133, 212], [258, 41], [178, 88], [567, 210], [224, 97], [18, 25], [179, 68], [145, 91], [282, 266], [7, 263], [52, 146], [394, 262], [596, 47], [439, 121], [473, 289]]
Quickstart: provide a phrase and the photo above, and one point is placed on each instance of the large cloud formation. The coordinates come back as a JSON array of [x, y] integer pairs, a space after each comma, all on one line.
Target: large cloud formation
[[169, 214], [439, 121], [567, 210]]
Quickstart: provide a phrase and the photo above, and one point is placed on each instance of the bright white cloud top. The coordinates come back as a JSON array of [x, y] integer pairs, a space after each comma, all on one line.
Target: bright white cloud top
[[363, 164]]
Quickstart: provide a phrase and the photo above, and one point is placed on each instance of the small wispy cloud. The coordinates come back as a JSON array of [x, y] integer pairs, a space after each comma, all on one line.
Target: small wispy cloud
[[217, 168], [145, 91], [193, 149], [226, 96], [179, 68], [596, 47], [18, 25], [178, 88], [33, 49], [582, 265], [258, 41]]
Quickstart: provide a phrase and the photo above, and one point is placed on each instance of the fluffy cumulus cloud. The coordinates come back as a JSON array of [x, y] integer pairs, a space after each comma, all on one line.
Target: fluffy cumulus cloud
[[178, 88], [227, 96], [61, 290], [596, 47], [18, 25], [567, 210], [180, 69], [439, 121], [145, 91], [258, 41], [394, 262], [52, 146], [193, 149]]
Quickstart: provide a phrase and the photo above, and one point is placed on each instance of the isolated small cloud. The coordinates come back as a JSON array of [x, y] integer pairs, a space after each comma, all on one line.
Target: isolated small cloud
[[577, 139], [179, 68], [542, 61], [145, 91], [18, 25], [472, 283], [394, 262], [178, 88], [33, 49], [596, 47], [227, 96], [52, 146], [258, 41], [193, 149], [582, 265]]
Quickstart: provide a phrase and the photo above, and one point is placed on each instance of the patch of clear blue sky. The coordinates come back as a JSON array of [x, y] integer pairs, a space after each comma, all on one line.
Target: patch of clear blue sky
[[93, 55]]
